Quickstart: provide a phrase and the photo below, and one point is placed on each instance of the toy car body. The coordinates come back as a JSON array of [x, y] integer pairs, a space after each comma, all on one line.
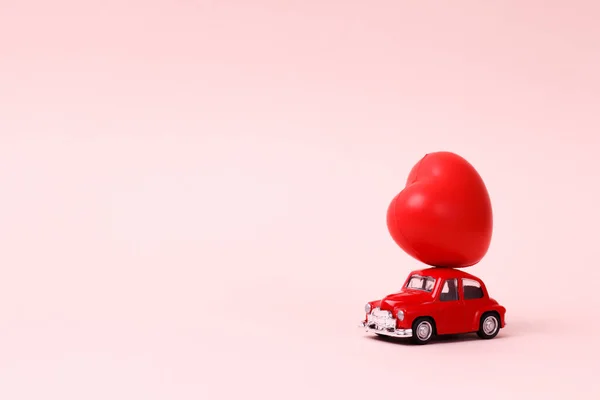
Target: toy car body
[[436, 301]]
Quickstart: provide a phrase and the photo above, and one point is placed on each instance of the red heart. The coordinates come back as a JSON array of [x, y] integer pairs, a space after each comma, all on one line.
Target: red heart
[[443, 216]]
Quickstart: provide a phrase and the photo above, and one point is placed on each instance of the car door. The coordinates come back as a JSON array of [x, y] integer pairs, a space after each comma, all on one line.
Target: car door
[[449, 309], [473, 298]]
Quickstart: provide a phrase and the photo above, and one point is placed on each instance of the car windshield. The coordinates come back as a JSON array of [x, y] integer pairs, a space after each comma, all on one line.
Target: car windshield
[[418, 282]]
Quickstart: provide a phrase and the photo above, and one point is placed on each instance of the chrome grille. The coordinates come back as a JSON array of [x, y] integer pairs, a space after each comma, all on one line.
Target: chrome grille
[[381, 319]]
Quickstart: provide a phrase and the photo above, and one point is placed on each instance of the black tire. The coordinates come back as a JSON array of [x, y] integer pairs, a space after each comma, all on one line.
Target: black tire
[[489, 325], [423, 330]]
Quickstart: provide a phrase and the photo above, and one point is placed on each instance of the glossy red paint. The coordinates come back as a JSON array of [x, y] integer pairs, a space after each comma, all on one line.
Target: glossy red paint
[[454, 301], [443, 216]]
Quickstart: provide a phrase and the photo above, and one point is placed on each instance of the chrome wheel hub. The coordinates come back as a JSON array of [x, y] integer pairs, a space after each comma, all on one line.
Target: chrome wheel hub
[[490, 324], [424, 330]]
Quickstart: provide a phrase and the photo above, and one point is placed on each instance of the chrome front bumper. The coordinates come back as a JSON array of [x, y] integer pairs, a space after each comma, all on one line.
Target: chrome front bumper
[[398, 333]]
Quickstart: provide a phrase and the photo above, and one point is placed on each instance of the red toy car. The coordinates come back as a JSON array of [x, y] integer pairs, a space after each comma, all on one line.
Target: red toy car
[[436, 301]]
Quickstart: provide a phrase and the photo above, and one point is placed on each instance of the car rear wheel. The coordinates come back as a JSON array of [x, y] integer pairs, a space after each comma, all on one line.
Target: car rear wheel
[[423, 331], [489, 326]]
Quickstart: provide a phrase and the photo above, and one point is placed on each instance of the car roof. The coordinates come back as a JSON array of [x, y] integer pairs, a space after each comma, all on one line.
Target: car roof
[[445, 273]]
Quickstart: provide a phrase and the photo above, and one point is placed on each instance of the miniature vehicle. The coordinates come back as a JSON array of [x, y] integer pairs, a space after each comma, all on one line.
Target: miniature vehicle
[[436, 301]]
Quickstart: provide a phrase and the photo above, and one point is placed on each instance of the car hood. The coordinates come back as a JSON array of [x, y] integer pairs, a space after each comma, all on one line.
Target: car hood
[[404, 299]]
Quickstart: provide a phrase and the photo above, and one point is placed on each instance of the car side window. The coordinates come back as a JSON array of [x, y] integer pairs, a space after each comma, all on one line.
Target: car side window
[[449, 290], [472, 289]]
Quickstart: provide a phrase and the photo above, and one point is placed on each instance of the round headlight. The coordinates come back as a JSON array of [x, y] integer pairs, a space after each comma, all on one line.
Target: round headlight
[[400, 315], [368, 308]]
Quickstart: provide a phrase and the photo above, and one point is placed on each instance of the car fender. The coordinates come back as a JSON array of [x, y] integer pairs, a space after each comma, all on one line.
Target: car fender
[[492, 308], [412, 313]]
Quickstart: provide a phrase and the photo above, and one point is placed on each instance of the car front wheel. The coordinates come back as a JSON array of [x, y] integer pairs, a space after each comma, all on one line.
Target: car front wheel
[[423, 331], [489, 326]]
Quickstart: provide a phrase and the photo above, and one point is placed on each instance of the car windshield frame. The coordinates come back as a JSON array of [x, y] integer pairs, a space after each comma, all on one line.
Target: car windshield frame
[[424, 279]]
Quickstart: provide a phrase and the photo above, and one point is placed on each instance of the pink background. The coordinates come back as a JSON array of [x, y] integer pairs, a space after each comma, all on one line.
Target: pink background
[[193, 194]]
